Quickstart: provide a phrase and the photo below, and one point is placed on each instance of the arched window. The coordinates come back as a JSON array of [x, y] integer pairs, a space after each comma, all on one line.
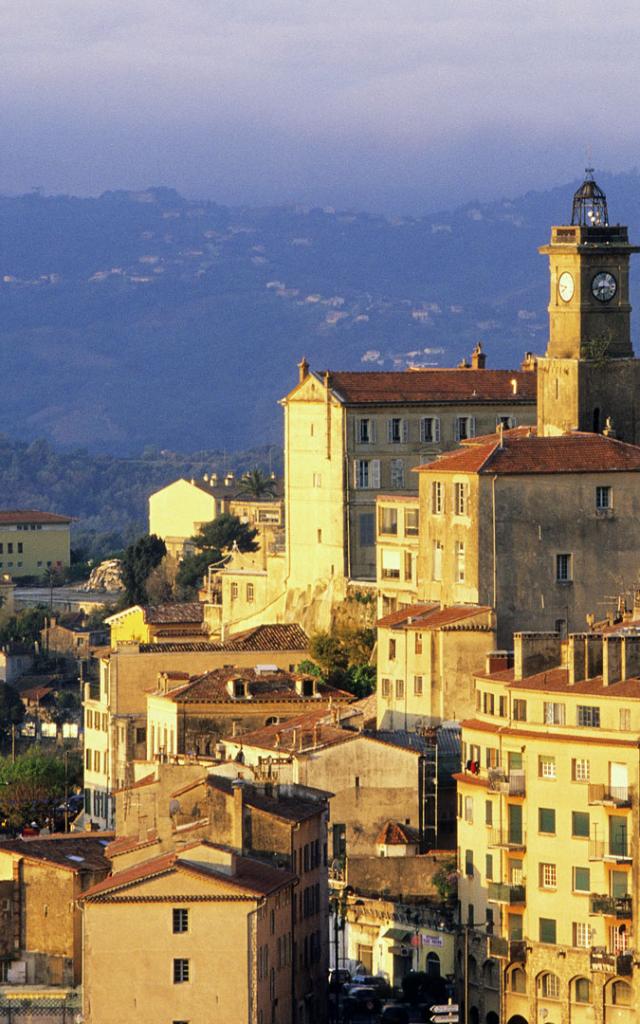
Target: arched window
[[518, 980], [433, 965], [619, 993], [490, 974], [550, 986], [474, 1015], [581, 990], [472, 968], [492, 1018], [273, 720]]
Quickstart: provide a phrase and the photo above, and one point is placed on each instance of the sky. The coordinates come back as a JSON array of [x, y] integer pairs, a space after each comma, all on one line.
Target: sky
[[398, 106]]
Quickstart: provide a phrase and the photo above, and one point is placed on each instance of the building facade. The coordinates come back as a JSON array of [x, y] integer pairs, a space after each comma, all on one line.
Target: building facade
[[32, 542]]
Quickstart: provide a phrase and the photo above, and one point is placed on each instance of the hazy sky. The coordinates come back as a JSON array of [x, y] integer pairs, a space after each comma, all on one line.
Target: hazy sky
[[398, 105]]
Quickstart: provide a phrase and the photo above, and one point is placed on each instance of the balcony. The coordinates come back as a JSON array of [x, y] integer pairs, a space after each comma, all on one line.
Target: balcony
[[499, 892], [610, 906], [508, 838], [616, 850], [609, 796], [518, 950], [509, 783], [604, 962]]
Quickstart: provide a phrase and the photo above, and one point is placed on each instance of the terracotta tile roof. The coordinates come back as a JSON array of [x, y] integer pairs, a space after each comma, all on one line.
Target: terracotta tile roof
[[9, 517], [298, 734], [79, 851], [268, 637], [585, 736], [420, 386], [211, 688], [430, 616], [147, 780], [167, 614], [524, 453], [277, 801], [393, 833]]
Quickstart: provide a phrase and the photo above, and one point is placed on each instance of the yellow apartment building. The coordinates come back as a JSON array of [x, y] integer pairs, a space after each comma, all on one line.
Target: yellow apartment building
[[32, 542], [548, 832], [115, 707], [199, 934], [151, 624], [427, 655], [397, 530]]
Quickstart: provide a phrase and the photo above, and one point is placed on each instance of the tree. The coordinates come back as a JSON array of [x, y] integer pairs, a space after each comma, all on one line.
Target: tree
[[255, 484], [65, 709], [139, 559], [342, 659], [11, 709], [25, 626], [32, 786], [213, 541]]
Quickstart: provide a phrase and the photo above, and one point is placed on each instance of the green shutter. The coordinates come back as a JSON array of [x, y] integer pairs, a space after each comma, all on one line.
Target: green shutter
[[547, 930], [547, 820]]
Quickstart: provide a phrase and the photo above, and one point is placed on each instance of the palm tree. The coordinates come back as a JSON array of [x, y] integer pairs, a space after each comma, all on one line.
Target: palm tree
[[255, 484]]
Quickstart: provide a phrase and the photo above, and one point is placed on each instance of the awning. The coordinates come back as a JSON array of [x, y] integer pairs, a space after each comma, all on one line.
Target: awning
[[397, 935]]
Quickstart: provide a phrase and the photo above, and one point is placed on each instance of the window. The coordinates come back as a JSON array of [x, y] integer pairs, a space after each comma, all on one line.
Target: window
[[502, 707], [180, 917], [514, 926], [180, 970], [319, 535], [581, 934], [554, 714], [582, 990], [250, 592], [580, 769], [508, 422], [588, 716], [411, 522], [20, 550], [461, 499], [392, 650], [548, 878], [465, 426], [468, 863], [388, 520], [96, 760], [547, 932], [520, 710], [619, 883], [518, 980], [430, 429], [317, 479], [580, 824], [488, 867], [625, 719], [549, 983], [390, 564], [547, 820], [488, 703], [234, 591], [87, 759], [493, 757], [437, 497], [581, 880], [488, 812], [89, 718], [386, 687], [603, 498], [397, 430], [10, 550], [365, 431], [367, 529], [460, 561], [621, 993], [468, 809], [417, 686], [547, 767], [564, 573], [366, 474], [437, 560], [397, 473], [399, 689], [418, 643]]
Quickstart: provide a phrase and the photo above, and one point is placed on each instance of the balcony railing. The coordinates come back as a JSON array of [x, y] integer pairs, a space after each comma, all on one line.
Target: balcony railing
[[499, 892], [509, 838], [604, 962], [518, 950], [613, 796], [616, 849], [510, 783], [611, 906]]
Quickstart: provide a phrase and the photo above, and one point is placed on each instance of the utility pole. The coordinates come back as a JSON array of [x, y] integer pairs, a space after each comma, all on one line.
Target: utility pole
[[66, 791]]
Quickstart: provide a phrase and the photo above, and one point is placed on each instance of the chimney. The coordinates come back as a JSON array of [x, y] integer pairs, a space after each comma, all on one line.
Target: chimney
[[535, 652], [228, 480], [631, 656], [303, 370], [514, 385], [577, 657], [529, 362], [478, 358], [213, 480], [611, 660], [237, 838]]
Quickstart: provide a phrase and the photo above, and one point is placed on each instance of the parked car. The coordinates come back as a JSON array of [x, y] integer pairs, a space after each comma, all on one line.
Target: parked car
[[377, 981], [361, 1003], [395, 1013]]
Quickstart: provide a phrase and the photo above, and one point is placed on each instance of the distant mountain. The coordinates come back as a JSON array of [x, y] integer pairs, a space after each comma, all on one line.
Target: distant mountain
[[146, 319]]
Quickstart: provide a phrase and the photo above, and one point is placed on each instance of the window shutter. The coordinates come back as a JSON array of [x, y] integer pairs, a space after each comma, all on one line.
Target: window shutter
[[472, 426], [355, 473], [405, 431], [374, 473], [389, 431], [513, 422], [457, 429], [372, 431], [436, 429]]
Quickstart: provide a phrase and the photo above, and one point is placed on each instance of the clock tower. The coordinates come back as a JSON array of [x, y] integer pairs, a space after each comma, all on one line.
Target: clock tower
[[589, 377]]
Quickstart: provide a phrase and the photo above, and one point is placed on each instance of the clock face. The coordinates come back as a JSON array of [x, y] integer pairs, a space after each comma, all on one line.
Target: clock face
[[604, 286], [565, 286]]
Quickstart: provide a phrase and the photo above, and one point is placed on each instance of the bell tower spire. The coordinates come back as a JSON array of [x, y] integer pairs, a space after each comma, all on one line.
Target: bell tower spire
[[589, 371]]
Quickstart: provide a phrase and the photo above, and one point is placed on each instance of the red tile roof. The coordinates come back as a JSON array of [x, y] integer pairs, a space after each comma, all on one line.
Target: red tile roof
[[79, 851], [393, 833], [419, 386], [522, 453], [31, 515], [268, 637], [303, 729], [167, 614], [430, 616], [557, 680], [211, 688]]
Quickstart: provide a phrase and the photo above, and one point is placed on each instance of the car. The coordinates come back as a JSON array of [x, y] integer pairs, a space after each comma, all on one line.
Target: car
[[361, 1001], [395, 1013], [376, 981]]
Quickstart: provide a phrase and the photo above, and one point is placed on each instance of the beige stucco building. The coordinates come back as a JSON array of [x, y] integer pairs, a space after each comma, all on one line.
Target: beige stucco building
[[548, 829], [397, 531], [32, 542]]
